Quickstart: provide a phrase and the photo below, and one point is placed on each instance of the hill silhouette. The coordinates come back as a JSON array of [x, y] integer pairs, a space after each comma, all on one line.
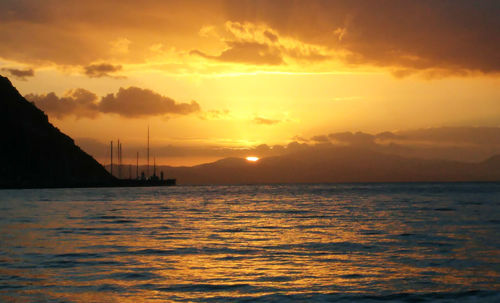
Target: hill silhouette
[[36, 154], [335, 164]]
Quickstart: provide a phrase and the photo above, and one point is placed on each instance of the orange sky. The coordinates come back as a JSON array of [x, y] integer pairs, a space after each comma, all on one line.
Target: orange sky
[[237, 74]]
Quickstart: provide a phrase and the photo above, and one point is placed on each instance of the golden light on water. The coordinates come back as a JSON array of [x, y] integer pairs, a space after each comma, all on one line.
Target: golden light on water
[[252, 159]]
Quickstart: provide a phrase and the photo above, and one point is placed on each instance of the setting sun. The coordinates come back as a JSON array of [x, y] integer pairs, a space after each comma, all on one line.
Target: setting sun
[[252, 159]]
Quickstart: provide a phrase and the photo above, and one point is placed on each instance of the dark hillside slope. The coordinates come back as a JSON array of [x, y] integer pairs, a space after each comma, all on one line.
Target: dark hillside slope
[[33, 153]]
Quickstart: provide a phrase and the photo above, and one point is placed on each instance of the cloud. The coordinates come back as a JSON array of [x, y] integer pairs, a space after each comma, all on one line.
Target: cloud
[[132, 102], [299, 139], [358, 138], [120, 45], [76, 33], [260, 45], [465, 135], [214, 114], [20, 74], [320, 139], [246, 52], [434, 38], [465, 143], [451, 36], [387, 136], [457, 135], [101, 70], [265, 121], [271, 36], [79, 103]]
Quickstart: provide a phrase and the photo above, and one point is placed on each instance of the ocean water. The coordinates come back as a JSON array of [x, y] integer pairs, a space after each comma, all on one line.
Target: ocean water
[[265, 243]]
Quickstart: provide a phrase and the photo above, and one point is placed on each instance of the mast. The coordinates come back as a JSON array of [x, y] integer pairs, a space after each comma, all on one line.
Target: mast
[[154, 169], [137, 166], [119, 159], [147, 170], [121, 162], [111, 157]]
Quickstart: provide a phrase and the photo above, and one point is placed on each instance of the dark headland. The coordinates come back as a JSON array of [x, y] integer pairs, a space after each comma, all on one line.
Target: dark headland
[[35, 154]]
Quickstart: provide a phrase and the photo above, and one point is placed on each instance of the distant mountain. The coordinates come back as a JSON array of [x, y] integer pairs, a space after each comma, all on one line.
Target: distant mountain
[[33, 153], [336, 164]]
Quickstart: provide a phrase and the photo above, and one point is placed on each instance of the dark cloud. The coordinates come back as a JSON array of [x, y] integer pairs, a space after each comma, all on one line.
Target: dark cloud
[[470, 144], [246, 52], [79, 103], [386, 136], [101, 70], [452, 36], [466, 135], [264, 121], [358, 138], [136, 102], [308, 55], [297, 138], [132, 102], [253, 44], [458, 135], [320, 139], [296, 146], [272, 37], [20, 74], [407, 36], [79, 33]]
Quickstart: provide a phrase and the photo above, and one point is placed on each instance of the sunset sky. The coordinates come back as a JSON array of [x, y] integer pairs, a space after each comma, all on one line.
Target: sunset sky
[[232, 75]]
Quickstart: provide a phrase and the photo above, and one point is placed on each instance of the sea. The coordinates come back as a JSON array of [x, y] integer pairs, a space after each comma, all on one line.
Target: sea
[[382, 242]]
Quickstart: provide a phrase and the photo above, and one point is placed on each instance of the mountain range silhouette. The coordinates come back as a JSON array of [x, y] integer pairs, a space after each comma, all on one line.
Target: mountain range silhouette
[[336, 164]]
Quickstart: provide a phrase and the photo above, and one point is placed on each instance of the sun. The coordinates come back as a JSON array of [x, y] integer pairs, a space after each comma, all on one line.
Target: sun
[[252, 159]]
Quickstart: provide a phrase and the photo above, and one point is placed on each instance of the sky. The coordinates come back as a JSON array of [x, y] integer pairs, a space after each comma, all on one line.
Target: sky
[[249, 78]]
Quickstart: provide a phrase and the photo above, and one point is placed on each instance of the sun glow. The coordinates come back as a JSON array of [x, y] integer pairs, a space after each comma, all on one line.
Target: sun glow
[[252, 159]]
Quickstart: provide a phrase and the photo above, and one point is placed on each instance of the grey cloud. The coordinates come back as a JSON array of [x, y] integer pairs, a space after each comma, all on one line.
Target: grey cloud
[[132, 102], [137, 102], [386, 136], [20, 74], [79, 103], [101, 70], [250, 51], [297, 138], [358, 138], [451, 143], [460, 135], [432, 37], [272, 37], [320, 138], [246, 52], [466, 135]]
